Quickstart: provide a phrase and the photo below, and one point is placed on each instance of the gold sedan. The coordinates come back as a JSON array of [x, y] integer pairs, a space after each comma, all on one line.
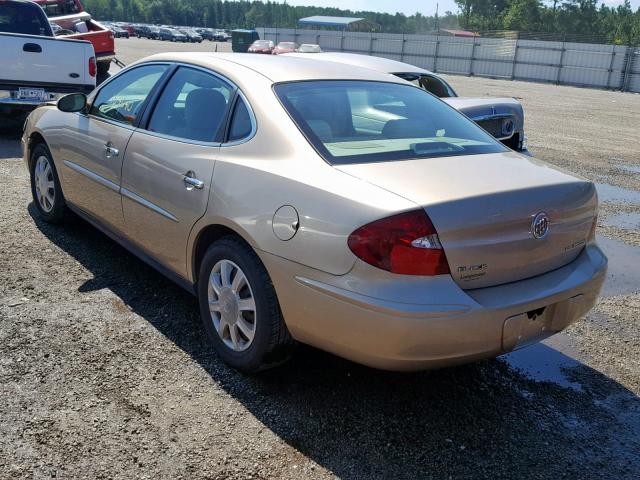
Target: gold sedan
[[310, 201]]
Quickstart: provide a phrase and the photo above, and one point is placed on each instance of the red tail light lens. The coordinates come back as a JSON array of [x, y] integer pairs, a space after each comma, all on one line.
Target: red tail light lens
[[406, 243], [93, 68]]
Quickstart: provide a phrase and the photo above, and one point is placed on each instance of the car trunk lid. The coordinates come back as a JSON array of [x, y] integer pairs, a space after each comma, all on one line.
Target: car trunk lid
[[483, 207]]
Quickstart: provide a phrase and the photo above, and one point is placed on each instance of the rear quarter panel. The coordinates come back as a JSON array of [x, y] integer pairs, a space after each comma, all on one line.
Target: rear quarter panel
[[278, 167]]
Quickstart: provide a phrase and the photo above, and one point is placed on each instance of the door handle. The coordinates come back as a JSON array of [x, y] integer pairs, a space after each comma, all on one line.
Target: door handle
[[109, 151], [192, 182], [32, 48]]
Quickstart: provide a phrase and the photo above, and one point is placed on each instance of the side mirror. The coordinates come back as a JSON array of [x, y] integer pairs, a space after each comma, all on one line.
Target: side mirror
[[74, 102]]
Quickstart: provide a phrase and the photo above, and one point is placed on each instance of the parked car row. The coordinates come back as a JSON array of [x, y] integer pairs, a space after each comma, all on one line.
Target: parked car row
[[173, 33], [69, 20], [270, 48], [118, 31]]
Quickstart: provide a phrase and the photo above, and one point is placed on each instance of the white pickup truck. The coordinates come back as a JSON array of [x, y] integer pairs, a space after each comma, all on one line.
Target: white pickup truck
[[36, 66]]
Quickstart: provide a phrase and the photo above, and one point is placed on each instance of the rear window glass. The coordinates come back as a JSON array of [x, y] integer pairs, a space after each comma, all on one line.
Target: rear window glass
[[60, 8], [25, 18], [365, 121], [192, 106]]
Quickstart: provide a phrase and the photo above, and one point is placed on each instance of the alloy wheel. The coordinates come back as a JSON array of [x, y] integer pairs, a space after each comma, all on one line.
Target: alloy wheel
[[232, 305], [45, 186]]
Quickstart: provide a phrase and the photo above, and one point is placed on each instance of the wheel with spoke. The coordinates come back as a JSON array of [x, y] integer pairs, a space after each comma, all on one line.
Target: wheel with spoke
[[239, 307], [45, 185], [232, 305]]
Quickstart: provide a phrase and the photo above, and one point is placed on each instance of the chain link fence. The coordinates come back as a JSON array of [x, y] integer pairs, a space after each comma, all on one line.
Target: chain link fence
[[508, 55]]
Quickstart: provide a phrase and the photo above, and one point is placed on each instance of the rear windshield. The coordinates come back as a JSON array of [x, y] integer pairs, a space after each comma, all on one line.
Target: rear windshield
[[365, 121], [25, 18], [60, 8]]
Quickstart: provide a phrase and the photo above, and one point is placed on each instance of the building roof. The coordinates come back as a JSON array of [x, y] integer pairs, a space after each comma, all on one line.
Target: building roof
[[327, 21], [458, 33]]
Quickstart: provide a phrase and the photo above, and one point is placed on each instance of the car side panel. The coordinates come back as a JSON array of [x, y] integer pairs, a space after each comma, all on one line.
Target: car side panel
[[159, 208], [278, 167], [92, 175], [248, 187]]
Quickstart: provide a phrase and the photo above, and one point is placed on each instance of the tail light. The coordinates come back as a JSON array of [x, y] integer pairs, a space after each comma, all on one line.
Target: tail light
[[93, 68], [406, 243]]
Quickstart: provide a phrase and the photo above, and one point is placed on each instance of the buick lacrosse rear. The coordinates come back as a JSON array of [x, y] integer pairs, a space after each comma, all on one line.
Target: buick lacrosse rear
[[305, 201]]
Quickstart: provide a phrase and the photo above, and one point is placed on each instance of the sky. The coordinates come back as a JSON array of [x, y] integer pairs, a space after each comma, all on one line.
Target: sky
[[408, 7]]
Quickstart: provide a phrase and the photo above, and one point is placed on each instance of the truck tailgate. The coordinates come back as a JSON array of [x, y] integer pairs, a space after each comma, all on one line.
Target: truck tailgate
[[56, 64]]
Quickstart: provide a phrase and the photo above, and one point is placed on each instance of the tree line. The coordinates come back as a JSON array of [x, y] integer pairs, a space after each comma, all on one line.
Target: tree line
[[619, 24]]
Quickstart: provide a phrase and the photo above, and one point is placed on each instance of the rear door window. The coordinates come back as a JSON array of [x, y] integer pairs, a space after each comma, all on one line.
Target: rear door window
[[25, 18], [192, 106]]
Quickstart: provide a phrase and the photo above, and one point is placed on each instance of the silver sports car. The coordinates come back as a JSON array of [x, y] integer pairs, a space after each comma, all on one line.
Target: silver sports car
[[304, 201], [501, 117]]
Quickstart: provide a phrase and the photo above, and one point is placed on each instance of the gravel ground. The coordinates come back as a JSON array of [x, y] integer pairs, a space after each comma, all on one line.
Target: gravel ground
[[104, 371]]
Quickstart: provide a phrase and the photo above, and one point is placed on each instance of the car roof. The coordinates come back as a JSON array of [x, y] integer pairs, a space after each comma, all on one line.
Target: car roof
[[366, 61], [277, 68]]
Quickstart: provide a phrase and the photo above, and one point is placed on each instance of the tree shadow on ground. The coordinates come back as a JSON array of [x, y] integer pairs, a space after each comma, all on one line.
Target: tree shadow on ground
[[357, 422]]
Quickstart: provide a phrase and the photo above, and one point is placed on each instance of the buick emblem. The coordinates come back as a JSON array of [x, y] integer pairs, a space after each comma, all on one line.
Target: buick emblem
[[540, 225]]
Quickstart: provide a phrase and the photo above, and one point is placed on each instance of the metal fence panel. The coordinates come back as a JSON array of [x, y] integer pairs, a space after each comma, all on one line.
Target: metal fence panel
[[566, 63], [487, 68], [633, 80]]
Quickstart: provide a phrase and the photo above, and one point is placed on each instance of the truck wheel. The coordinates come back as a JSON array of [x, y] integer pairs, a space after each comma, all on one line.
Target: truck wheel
[[103, 68]]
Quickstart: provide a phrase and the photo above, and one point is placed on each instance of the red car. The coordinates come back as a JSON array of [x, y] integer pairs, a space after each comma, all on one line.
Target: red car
[[77, 24], [285, 47], [261, 46]]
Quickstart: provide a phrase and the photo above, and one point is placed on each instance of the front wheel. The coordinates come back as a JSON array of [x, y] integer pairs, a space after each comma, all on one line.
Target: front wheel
[[239, 308], [45, 186]]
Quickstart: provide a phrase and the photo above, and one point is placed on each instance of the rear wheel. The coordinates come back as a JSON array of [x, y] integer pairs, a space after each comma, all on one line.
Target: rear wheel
[[45, 186], [103, 68], [239, 307]]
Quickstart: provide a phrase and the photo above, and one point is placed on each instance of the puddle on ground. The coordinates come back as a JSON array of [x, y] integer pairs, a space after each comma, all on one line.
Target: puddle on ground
[[624, 221], [629, 168], [623, 275], [611, 193], [547, 361], [552, 359]]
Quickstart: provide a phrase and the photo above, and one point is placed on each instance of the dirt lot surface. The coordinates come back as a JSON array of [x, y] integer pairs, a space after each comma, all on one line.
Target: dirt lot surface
[[105, 373]]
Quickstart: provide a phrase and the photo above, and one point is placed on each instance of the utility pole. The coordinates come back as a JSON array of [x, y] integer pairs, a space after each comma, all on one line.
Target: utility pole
[[437, 17], [467, 14]]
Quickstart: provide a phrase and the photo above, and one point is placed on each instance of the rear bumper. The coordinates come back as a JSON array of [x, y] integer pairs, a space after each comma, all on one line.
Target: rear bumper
[[397, 322], [105, 57], [10, 98]]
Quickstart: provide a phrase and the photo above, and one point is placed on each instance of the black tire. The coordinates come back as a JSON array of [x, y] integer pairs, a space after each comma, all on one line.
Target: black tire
[[103, 68], [272, 344], [59, 210]]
